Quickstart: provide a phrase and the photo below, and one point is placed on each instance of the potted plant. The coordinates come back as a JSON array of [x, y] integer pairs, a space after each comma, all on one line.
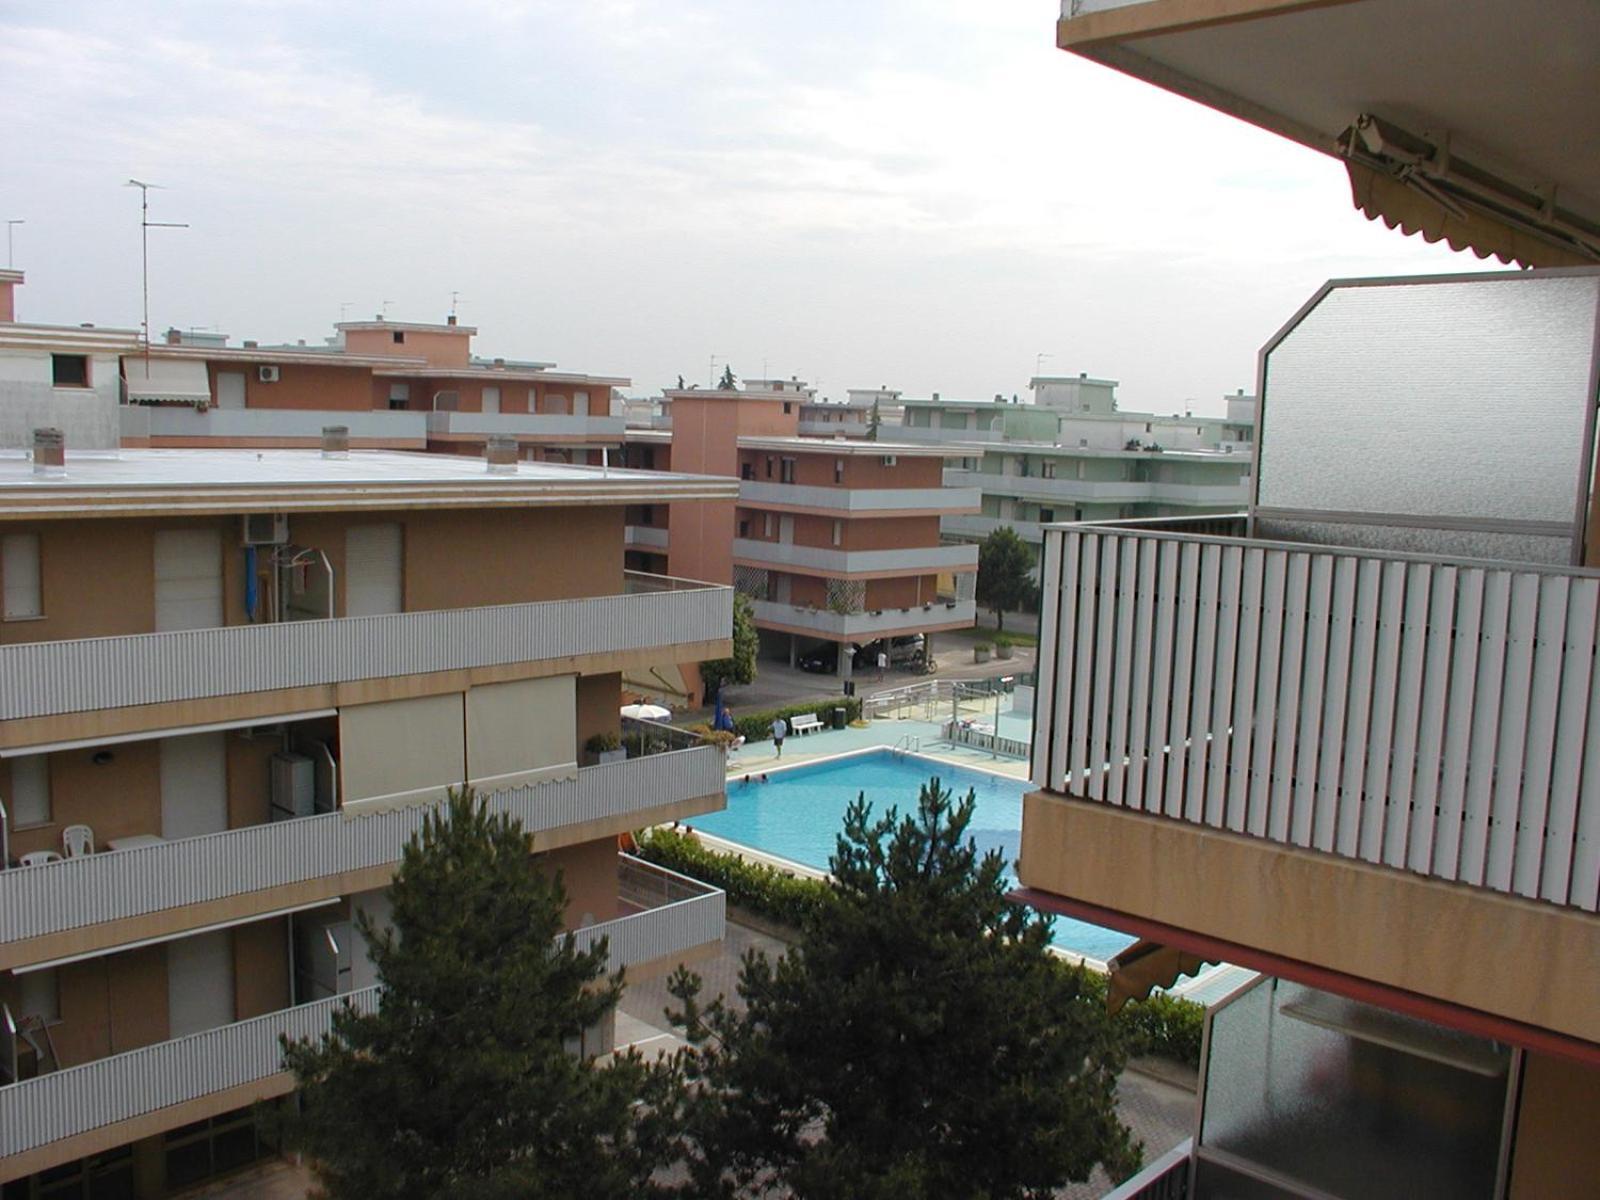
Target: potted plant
[[1002, 646], [722, 739], [605, 747], [980, 652]]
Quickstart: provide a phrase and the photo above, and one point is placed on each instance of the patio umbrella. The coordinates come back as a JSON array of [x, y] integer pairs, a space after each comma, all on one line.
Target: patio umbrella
[[647, 712]]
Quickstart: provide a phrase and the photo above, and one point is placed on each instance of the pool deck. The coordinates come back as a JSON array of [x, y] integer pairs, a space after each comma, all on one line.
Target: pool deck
[[926, 739]]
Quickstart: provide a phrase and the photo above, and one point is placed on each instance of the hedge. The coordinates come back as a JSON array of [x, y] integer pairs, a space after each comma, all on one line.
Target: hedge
[[768, 892], [1163, 1025], [757, 727]]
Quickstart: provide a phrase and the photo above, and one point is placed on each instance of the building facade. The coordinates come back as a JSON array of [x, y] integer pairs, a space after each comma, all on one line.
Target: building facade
[[232, 682], [835, 541]]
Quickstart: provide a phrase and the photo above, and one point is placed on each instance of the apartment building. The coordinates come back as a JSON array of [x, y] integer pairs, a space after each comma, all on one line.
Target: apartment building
[[1348, 740], [836, 541], [395, 385], [1072, 455], [232, 683]]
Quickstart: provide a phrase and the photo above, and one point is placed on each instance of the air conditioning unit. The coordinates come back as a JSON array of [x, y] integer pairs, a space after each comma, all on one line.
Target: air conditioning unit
[[888, 460], [267, 374], [266, 529]]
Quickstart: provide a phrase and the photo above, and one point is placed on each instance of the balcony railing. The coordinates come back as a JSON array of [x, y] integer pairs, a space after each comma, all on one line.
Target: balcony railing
[[46, 678], [96, 888], [1427, 714], [479, 424], [860, 626], [63, 1104], [650, 537], [229, 424], [1231, 494], [1167, 1178], [859, 500], [930, 559]]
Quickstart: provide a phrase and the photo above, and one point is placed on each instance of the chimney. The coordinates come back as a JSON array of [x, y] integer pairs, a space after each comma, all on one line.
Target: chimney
[[450, 320], [501, 453], [250, 344], [336, 441], [49, 452]]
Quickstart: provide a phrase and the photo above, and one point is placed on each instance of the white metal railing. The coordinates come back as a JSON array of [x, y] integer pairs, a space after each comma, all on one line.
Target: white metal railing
[[62, 1104], [653, 536], [45, 678], [931, 559], [861, 625], [91, 889], [1435, 715], [1167, 1178], [859, 500], [171, 421], [481, 424]]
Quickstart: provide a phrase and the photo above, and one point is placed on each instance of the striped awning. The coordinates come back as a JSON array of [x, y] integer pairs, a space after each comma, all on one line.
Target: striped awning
[[1145, 966], [166, 381]]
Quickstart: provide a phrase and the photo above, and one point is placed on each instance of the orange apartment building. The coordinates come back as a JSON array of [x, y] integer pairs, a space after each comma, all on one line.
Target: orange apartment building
[[232, 682], [836, 542], [396, 385], [1350, 739]]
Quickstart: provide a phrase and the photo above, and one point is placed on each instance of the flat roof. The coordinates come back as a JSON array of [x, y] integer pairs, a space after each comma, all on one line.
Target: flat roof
[[407, 326], [816, 445], [515, 374], [161, 482]]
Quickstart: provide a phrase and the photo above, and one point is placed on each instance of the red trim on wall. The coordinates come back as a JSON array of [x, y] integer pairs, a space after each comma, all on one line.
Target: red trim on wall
[[1440, 1012]]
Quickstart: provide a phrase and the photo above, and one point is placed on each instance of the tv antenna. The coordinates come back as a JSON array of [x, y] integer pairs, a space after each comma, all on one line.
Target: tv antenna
[[10, 256], [145, 226]]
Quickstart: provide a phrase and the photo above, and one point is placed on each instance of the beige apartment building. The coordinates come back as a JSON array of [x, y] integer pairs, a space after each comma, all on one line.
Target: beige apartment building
[[232, 682], [1348, 738]]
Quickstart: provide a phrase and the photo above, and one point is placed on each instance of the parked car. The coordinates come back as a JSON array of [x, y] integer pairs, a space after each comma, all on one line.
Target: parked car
[[822, 661]]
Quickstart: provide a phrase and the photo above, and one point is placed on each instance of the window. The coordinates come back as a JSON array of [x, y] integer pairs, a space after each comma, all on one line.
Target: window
[[788, 407], [766, 527], [1047, 469], [30, 790], [647, 514], [838, 532], [744, 529], [399, 336], [769, 466], [1147, 426], [19, 574], [747, 470], [399, 396], [69, 370], [788, 470], [838, 470], [1046, 515]]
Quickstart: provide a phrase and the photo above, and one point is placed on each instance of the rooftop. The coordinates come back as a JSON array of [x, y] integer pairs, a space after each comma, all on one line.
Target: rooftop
[[152, 482], [837, 446]]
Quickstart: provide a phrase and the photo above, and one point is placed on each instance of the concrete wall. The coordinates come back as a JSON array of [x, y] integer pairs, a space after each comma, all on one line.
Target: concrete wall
[[441, 348], [1556, 1154], [87, 417], [588, 870]]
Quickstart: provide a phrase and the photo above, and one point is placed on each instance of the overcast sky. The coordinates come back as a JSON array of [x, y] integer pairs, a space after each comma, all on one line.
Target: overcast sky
[[919, 193]]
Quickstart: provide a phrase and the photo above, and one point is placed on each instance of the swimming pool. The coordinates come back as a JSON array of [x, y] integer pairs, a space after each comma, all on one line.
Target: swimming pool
[[798, 813]]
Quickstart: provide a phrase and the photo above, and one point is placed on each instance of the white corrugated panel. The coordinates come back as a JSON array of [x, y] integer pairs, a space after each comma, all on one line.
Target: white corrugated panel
[[188, 570], [1412, 712], [19, 574], [194, 785]]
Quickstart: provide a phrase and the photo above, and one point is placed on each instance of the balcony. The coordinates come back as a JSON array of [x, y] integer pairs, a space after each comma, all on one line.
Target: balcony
[[865, 626], [676, 915], [1429, 715], [826, 429], [1067, 491], [915, 560], [47, 678], [973, 525], [179, 425], [859, 501], [645, 537], [113, 886], [471, 425]]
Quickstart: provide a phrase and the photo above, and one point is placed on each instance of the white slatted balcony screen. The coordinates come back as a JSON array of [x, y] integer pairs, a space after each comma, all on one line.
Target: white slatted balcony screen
[[1434, 716]]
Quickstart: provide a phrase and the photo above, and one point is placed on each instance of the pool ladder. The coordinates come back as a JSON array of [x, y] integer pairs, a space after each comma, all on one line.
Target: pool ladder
[[908, 744]]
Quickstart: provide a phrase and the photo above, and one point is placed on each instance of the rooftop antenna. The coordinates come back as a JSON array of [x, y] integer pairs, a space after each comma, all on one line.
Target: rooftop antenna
[[711, 372], [1038, 363], [383, 309], [455, 299], [145, 226], [10, 255], [344, 308]]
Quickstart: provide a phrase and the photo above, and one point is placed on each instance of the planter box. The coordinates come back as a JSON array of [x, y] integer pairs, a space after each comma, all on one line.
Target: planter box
[[980, 654], [610, 756], [1003, 651]]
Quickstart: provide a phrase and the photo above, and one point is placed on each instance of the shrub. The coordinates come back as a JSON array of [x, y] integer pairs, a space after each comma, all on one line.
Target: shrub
[[1002, 640], [757, 727], [771, 893], [1165, 1026], [984, 647], [720, 738], [602, 742]]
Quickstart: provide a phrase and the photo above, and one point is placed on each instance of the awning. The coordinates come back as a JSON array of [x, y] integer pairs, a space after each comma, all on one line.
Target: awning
[[1145, 966], [663, 683], [166, 381], [1417, 186]]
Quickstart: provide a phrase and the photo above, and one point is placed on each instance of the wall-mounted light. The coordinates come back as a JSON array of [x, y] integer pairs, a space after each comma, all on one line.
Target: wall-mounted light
[[102, 757]]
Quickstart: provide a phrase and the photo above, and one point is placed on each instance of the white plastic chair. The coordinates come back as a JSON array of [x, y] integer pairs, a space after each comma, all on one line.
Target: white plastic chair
[[77, 840], [39, 857]]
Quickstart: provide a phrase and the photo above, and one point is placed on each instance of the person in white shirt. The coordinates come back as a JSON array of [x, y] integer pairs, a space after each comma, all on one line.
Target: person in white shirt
[[780, 730]]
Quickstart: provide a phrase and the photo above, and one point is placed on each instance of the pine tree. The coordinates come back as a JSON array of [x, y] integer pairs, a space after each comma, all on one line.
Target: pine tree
[[727, 383], [464, 1082], [918, 1043], [1005, 579]]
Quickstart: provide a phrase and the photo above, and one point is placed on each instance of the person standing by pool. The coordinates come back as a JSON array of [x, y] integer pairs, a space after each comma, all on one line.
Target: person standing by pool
[[780, 730]]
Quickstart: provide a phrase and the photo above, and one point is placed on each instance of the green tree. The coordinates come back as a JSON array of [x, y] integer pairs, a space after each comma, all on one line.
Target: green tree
[[918, 1043], [727, 383], [1004, 567], [741, 668], [875, 422], [464, 1082]]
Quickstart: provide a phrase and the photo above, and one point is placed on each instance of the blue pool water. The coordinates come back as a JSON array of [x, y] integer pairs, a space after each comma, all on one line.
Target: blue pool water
[[798, 813]]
